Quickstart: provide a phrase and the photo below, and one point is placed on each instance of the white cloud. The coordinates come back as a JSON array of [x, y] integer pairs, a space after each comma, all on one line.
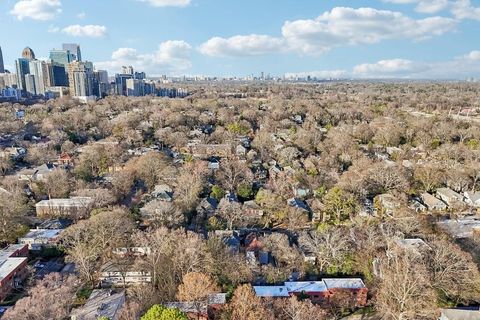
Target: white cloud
[[171, 57], [461, 67], [424, 6], [463, 9], [347, 26], [91, 31], [460, 9], [472, 56], [41, 10], [168, 3], [342, 26], [81, 15], [389, 68], [248, 45]]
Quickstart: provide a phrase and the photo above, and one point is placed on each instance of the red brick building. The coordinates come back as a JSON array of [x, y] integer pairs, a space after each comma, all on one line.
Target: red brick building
[[13, 268]]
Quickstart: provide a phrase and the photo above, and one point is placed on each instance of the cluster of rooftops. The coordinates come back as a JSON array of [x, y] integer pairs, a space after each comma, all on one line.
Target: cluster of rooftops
[[299, 287]]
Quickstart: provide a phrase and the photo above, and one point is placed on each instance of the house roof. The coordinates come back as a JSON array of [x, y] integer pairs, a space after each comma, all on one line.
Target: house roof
[[10, 250], [71, 202], [8, 265], [460, 228], [102, 302], [449, 193], [306, 286], [346, 283], [271, 291], [459, 314], [473, 196], [55, 224], [431, 201], [42, 234]]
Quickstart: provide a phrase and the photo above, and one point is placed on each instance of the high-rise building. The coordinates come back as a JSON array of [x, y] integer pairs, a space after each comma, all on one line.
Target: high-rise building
[[127, 70], [23, 67], [9, 80], [74, 50], [28, 54], [61, 56], [135, 88], [80, 79], [101, 84], [121, 83], [140, 75], [58, 74], [2, 66], [30, 84], [39, 70], [101, 76]]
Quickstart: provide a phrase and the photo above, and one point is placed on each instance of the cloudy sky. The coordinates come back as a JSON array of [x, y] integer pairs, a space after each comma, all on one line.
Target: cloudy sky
[[358, 38]]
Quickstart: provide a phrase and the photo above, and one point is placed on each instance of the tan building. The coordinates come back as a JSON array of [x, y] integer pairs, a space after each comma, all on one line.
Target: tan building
[[73, 208]]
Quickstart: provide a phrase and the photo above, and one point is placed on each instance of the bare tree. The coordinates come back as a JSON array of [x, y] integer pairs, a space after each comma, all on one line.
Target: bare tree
[[245, 305], [405, 291], [49, 299]]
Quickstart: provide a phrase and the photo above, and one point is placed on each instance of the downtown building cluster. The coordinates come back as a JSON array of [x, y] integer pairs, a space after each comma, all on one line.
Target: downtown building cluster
[[65, 73]]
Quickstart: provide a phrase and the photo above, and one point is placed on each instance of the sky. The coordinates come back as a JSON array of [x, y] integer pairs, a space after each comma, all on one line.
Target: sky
[[423, 39]]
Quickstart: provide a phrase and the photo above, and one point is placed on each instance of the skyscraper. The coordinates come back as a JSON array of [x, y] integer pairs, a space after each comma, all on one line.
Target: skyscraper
[[80, 79], [61, 56], [39, 70], [30, 84], [2, 67], [121, 83], [23, 68], [127, 70], [58, 74], [74, 50], [135, 87], [28, 54]]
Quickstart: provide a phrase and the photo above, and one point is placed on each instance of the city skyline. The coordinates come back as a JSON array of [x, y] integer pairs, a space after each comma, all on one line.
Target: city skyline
[[418, 39]]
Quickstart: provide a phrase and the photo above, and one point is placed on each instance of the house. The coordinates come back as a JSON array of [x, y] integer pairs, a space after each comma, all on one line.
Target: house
[[163, 193], [101, 303], [113, 274], [432, 203], [386, 203], [38, 239], [13, 268], [252, 209], [240, 151], [318, 291], [73, 208], [461, 228], [203, 310], [298, 204], [472, 198], [449, 196], [52, 224], [14, 153], [39, 173], [207, 207], [230, 238], [354, 286], [65, 160], [459, 314], [416, 205]]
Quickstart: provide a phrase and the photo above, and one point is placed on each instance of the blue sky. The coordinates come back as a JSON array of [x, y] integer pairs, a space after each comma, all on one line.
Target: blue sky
[[357, 38]]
